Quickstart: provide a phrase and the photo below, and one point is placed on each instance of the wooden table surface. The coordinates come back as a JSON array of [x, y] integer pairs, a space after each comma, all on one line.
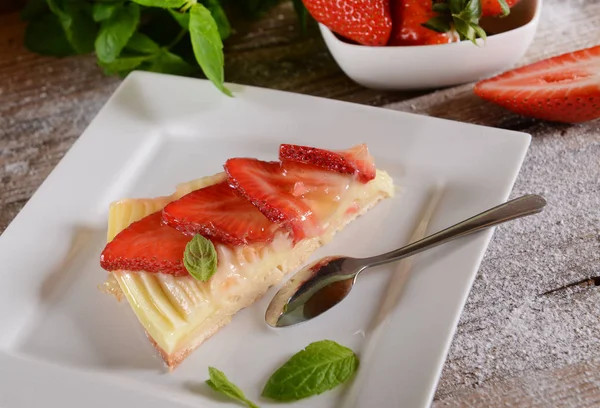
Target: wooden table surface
[[529, 332]]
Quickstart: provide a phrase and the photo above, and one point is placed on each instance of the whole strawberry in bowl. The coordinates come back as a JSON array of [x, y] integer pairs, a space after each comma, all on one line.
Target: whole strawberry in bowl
[[419, 44]]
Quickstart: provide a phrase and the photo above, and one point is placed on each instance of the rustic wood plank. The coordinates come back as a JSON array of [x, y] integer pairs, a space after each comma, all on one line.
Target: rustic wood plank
[[576, 385]]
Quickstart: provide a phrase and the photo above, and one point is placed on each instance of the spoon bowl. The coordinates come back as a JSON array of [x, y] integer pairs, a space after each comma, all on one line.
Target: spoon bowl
[[323, 284]]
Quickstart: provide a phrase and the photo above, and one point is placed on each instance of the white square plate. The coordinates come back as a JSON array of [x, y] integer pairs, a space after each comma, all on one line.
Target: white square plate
[[63, 343]]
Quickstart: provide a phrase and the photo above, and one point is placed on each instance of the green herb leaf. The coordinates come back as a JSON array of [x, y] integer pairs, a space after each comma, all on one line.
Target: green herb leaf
[[456, 6], [142, 44], [504, 7], [208, 47], [162, 3], [200, 258], [465, 30], [440, 7], [480, 32], [34, 9], [77, 23], [301, 12], [221, 384], [103, 11], [183, 19], [123, 65], [471, 12], [220, 18], [320, 367], [46, 36], [116, 31], [169, 63], [439, 24]]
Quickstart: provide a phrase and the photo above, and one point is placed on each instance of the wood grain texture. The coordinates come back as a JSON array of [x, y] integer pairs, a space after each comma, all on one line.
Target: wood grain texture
[[572, 386], [514, 345]]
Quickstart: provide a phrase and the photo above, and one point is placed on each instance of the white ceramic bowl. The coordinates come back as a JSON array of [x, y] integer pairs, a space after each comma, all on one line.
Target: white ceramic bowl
[[434, 66]]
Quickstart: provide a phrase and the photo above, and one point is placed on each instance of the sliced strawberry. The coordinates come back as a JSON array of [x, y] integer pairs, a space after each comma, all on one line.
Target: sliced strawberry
[[296, 195], [355, 160], [565, 88], [147, 245], [368, 22], [220, 213]]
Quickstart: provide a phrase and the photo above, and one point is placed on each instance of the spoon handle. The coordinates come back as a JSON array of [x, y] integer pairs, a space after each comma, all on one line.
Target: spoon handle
[[519, 207]]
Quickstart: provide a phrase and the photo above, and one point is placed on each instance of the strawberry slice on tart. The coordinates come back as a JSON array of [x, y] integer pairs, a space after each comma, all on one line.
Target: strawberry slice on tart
[[147, 245], [296, 195], [355, 160], [218, 212]]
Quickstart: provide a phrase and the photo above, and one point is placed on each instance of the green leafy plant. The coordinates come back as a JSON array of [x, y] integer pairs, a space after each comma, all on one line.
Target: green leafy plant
[[181, 37]]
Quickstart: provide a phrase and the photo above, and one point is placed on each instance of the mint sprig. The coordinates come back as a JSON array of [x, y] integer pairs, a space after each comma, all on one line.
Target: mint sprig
[[221, 384], [181, 37], [320, 367]]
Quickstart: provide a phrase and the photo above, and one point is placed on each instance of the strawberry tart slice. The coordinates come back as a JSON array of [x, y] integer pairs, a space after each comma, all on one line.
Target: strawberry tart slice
[[188, 262]]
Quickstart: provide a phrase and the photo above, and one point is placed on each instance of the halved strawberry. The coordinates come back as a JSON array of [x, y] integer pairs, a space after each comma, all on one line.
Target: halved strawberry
[[368, 22], [355, 160], [297, 195], [219, 212], [147, 245], [565, 88]]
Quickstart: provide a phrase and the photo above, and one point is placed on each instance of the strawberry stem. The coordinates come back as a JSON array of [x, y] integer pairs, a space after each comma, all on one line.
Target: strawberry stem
[[462, 16]]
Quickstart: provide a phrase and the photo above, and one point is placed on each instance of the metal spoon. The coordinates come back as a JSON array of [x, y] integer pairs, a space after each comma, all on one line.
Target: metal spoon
[[325, 283]]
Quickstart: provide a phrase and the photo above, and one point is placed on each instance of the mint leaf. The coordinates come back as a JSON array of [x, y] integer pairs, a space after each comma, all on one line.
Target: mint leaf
[[142, 43], [116, 31], [77, 23], [45, 36], [320, 367], [220, 18], [123, 65], [170, 63], [219, 382], [207, 44], [183, 19], [102, 11], [200, 258], [162, 3]]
